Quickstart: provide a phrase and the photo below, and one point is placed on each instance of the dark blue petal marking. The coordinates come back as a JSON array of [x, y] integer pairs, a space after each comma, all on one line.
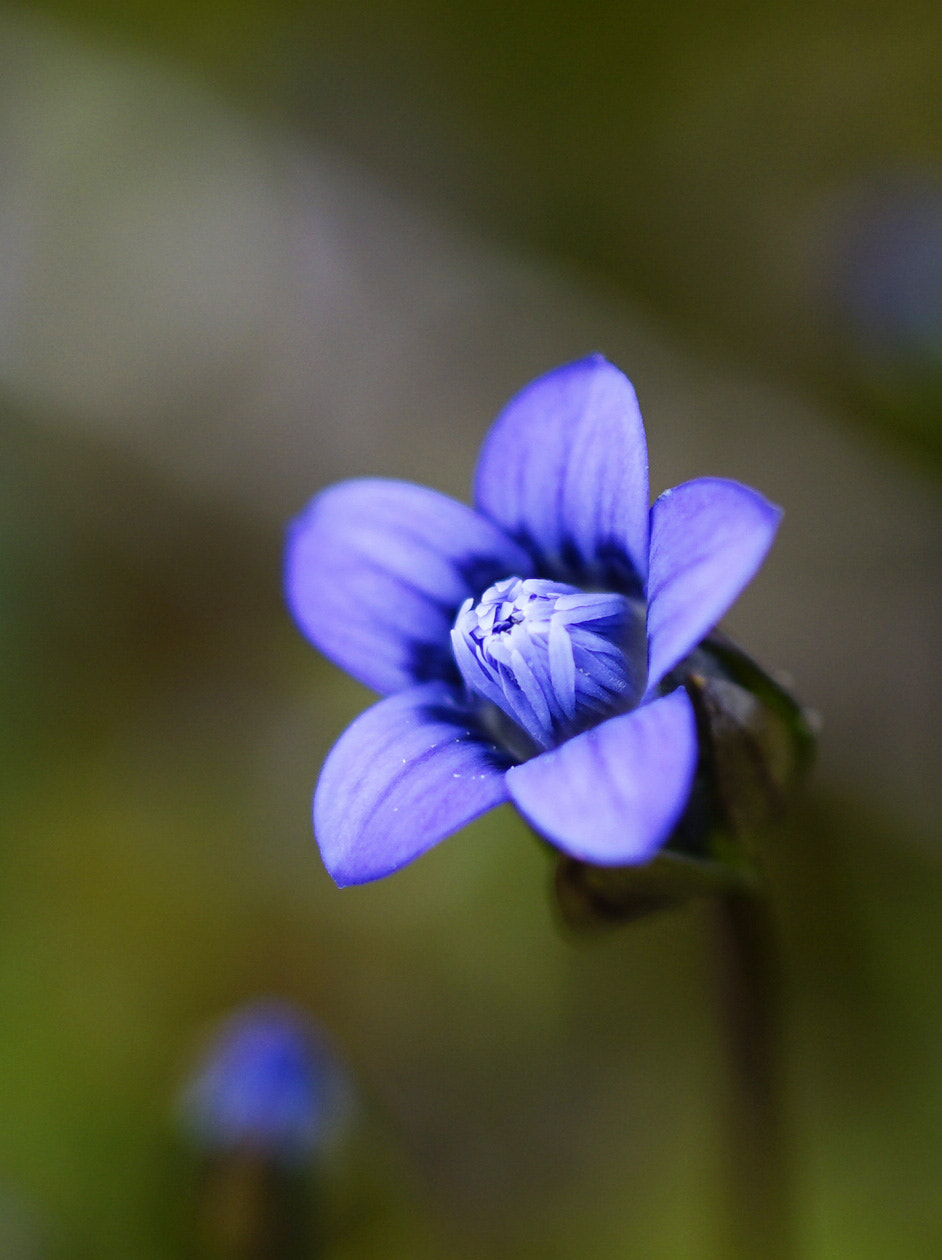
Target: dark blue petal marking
[[564, 470], [426, 662], [610, 568], [376, 570]]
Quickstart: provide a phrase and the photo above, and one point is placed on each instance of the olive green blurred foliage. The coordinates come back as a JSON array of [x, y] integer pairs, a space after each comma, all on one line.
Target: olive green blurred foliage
[[728, 164], [521, 1093]]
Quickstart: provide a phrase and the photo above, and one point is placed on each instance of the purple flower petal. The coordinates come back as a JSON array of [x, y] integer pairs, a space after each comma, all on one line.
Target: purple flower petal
[[708, 538], [409, 771], [564, 470], [376, 571], [612, 795]]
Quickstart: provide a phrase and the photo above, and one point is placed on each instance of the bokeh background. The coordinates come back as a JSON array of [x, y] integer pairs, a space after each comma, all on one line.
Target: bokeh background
[[247, 248]]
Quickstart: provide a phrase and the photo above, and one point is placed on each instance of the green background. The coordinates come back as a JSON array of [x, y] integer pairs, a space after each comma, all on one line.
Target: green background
[[726, 179]]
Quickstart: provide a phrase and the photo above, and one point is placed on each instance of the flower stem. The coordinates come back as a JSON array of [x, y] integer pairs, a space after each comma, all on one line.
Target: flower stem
[[760, 1218], [253, 1208]]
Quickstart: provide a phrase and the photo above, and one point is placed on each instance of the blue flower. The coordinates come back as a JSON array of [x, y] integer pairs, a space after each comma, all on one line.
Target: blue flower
[[262, 1086], [524, 647]]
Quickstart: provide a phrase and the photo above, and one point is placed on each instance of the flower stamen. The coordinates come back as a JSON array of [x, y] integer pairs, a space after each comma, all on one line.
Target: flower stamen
[[553, 658]]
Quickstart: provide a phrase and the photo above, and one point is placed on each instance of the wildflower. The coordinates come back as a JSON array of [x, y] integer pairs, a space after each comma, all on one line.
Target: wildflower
[[262, 1087], [528, 649]]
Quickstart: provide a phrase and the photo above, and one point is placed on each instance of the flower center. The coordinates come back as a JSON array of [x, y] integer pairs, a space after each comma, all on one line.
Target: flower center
[[551, 657]]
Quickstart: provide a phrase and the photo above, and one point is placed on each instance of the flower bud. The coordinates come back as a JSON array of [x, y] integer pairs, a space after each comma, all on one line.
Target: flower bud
[[261, 1086], [552, 658]]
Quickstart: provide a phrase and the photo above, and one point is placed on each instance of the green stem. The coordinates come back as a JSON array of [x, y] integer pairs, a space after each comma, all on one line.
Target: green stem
[[760, 1217]]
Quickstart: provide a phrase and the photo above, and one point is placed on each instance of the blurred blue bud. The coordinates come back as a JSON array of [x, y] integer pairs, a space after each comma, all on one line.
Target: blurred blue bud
[[263, 1086]]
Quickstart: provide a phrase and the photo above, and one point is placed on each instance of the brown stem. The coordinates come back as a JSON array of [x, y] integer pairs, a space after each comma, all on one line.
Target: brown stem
[[252, 1208], [760, 1218]]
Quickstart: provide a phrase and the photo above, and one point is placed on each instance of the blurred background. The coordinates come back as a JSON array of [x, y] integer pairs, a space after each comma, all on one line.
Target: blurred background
[[248, 248]]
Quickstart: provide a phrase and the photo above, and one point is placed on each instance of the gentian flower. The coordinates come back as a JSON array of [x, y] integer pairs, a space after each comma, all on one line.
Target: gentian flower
[[262, 1086], [527, 648]]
